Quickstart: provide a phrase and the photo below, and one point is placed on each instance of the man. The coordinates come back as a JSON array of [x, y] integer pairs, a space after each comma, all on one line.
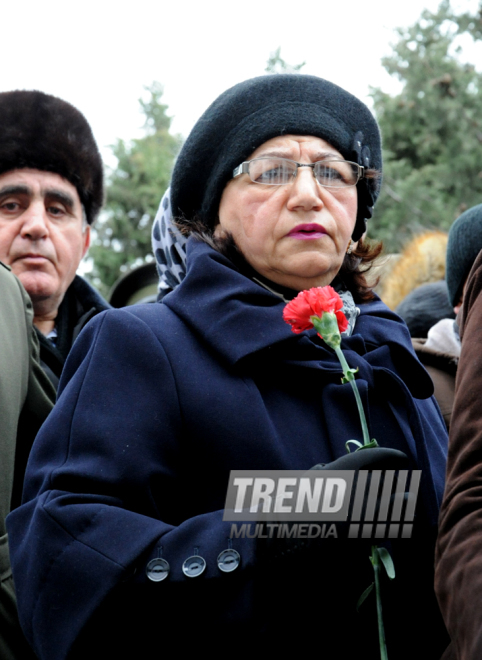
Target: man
[[51, 190], [458, 574], [26, 398]]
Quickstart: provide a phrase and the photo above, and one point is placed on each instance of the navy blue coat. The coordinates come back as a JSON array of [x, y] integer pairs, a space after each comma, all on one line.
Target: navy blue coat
[[158, 403]]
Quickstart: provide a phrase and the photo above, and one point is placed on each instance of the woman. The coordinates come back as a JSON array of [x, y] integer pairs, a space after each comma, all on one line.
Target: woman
[[160, 402]]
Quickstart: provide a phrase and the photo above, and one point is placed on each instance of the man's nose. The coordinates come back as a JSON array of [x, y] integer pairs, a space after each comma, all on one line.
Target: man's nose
[[34, 222]]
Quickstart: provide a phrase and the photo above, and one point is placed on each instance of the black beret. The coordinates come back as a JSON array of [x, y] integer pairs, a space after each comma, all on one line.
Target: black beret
[[45, 133], [252, 112], [464, 244]]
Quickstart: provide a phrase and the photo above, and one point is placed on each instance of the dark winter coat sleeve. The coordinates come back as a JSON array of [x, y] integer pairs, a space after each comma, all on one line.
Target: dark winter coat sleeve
[[459, 552], [26, 398], [96, 485]]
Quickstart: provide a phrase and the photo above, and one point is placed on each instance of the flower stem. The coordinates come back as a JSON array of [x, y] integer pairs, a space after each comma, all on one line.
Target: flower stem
[[375, 559], [348, 373]]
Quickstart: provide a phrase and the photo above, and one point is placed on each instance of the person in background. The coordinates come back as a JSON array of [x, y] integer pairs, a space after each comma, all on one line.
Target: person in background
[[138, 285], [439, 352], [26, 398], [51, 191], [421, 261], [464, 244], [424, 307], [422, 310]]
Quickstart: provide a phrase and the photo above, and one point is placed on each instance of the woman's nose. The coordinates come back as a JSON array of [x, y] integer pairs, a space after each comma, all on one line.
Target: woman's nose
[[305, 190]]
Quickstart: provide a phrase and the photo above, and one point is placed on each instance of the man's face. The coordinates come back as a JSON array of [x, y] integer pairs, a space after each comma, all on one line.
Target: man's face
[[42, 234]]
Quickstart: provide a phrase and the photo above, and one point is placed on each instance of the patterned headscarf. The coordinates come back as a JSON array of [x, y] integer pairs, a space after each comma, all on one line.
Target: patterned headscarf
[[168, 245]]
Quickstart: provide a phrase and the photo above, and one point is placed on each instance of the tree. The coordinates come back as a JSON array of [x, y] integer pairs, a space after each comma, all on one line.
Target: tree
[[432, 129], [134, 190], [276, 64]]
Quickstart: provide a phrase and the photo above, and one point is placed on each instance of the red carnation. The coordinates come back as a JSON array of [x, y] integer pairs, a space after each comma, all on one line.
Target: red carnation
[[320, 308], [314, 302]]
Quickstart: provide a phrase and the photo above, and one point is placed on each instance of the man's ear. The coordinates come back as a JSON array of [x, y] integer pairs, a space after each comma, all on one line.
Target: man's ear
[[86, 240]]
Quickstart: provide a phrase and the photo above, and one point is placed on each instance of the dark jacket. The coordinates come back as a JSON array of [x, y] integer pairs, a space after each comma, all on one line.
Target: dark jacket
[[459, 548], [81, 303], [26, 398], [157, 404], [442, 368]]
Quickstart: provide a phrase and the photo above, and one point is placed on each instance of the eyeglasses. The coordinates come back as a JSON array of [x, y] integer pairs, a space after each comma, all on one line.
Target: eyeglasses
[[271, 171]]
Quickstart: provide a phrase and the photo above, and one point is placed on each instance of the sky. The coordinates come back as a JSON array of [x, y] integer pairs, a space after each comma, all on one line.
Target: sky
[[100, 54]]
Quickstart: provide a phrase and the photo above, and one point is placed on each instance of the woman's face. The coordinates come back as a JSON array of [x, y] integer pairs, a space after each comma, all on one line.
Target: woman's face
[[296, 234]]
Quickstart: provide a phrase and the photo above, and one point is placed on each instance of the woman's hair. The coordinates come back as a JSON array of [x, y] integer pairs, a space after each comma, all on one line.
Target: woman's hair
[[356, 265]]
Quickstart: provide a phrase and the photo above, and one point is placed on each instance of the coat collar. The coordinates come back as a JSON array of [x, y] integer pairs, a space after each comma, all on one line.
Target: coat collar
[[235, 315], [239, 318]]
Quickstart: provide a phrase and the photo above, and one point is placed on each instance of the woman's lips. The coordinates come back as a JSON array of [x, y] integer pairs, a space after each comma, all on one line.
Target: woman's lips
[[307, 231]]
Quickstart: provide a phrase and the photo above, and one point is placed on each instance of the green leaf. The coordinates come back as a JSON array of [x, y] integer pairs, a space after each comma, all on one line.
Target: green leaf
[[364, 595], [354, 442], [370, 445], [387, 562], [350, 375]]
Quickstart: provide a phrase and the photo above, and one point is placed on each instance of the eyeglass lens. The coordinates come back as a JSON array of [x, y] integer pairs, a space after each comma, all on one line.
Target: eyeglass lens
[[279, 171]]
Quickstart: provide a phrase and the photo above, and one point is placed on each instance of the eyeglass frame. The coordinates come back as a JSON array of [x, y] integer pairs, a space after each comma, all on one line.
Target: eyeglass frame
[[243, 168]]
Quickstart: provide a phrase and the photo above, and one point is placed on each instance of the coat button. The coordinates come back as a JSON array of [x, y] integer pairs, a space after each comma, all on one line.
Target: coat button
[[228, 561], [157, 569], [193, 566]]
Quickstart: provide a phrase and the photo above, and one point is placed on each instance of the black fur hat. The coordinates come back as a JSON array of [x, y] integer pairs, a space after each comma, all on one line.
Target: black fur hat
[[256, 110], [45, 133]]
